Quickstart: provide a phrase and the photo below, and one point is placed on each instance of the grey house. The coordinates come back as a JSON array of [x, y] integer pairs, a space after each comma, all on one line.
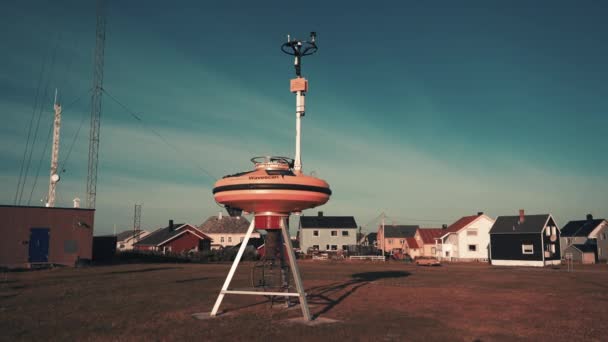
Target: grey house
[[327, 233], [585, 235]]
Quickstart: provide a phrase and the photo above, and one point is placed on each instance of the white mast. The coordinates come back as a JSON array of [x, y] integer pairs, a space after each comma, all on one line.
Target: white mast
[[54, 177], [299, 85]]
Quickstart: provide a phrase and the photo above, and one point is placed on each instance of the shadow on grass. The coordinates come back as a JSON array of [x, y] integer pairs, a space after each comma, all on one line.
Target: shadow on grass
[[151, 269], [333, 294], [192, 280]]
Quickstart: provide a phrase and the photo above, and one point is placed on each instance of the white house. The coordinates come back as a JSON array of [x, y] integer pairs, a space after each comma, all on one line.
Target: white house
[[126, 239], [327, 233], [226, 231], [467, 239]]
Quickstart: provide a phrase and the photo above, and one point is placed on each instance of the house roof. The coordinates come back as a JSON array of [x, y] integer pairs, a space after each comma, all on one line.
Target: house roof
[[428, 235], [460, 223], [127, 234], [411, 242], [585, 248], [580, 228], [163, 234], [397, 231], [226, 225], [327, 222], [371, 237], [510, 224]]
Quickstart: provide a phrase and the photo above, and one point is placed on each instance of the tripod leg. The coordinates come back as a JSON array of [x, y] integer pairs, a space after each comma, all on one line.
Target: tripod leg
[[294, 269], [235, 264]]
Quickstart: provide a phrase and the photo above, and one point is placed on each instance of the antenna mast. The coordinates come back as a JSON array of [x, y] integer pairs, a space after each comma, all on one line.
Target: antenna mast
[[299, 85], [54, 177], [100, 37]]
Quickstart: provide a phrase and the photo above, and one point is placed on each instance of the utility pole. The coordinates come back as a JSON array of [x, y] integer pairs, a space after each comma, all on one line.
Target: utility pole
[[100, 37], [136, 221], [54, 177]]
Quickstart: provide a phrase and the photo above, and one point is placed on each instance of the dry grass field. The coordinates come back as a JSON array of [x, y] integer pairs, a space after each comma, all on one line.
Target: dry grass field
[[371, 301]]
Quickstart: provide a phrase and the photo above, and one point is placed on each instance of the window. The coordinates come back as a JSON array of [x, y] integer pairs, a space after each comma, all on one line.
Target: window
[[401, 241], [334, 233], [472, 248], [433, 250], [390, 241], [552, 248], [326, 247], [222, 239], [334, 247], [315, 233], [472, 232], [230, 239], [570, 240], [554, 230], [315, 247], [548, 231], [345, 247], [527, 249], [345, 233]]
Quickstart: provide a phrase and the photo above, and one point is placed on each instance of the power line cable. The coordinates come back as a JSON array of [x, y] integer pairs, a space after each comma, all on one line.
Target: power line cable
[[40, 160], [29, 159], [138, 118], [63, 163], [29, 133]]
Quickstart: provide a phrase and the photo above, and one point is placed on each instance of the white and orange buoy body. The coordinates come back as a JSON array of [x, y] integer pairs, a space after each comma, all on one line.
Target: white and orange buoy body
[[272, 190]]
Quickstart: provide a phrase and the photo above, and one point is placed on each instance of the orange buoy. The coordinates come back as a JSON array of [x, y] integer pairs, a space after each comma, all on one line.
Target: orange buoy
[[272, 190]]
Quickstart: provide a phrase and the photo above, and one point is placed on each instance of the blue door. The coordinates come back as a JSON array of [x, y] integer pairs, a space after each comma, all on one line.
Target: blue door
[[39, 245]]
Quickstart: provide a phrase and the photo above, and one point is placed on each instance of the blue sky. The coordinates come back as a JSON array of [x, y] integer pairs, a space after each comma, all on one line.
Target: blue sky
[[424, 110]]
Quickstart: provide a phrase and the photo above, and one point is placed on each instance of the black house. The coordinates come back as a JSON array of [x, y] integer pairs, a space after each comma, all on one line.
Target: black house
[[525, 240]]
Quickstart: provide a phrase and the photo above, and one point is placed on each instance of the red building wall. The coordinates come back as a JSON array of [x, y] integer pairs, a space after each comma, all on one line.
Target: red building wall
[[66, 225], [182, 243]]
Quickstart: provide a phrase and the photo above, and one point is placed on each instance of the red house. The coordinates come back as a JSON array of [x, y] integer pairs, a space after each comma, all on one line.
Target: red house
[[176, 238]]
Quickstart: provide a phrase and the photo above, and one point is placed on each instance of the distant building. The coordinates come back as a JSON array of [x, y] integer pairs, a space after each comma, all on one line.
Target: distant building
[[392, 239], [126, 239], [428, 237], [33, 236], [328, 233], [175, 238], [583, 253], [586, 234], [467, 239], [525, 240], [369, 240], [226, 231]]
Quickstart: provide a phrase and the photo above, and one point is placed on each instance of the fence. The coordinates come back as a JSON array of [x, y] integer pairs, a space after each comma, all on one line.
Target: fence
[[367, 257]]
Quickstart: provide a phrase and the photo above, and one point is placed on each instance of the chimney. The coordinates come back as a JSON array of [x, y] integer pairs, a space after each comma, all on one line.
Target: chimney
[[320, 213], [521, 216], [170, 224], [479, 213], [219, 215], [589, 217], [444, 226]]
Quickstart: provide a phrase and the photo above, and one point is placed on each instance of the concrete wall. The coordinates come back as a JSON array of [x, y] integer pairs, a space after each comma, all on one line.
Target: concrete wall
[[308, 240], [70, 234]]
